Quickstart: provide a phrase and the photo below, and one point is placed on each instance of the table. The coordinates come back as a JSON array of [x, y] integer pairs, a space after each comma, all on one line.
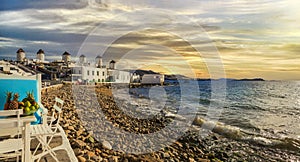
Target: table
[[26, 120], [26, 136]]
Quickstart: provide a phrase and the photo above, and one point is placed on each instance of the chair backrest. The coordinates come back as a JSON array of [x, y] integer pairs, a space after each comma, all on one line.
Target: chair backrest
[[56, 113], [20, 85], [58, 104], [10, 122]]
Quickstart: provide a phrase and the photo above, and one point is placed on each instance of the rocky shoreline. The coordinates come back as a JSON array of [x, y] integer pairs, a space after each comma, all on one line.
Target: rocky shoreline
[[89, 146]]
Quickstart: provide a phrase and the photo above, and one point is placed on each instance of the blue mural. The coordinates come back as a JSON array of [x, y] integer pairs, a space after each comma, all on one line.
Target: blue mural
[[17, 86]]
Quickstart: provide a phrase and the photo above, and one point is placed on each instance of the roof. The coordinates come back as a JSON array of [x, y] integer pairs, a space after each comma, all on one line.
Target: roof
[[66, 53], [82, 56], [20, 50], [112, 61], [40, 51], [98, 56]]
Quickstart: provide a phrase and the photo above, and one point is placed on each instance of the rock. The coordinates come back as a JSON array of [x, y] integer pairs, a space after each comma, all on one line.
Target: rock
[[166, 155], [191, 159], [91, 154], [106, 145], [78, 133], [178, 143], [77, 151], [104, 154], [114, 159], [67, 132], [203, 160], [96, 158], [66, 125], [79, 143], [185, 155], [91, 140], [81, 159], [70, 128], [98, 150]]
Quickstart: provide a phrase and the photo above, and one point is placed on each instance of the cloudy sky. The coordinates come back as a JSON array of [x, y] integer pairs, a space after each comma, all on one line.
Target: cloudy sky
[[197, 38]]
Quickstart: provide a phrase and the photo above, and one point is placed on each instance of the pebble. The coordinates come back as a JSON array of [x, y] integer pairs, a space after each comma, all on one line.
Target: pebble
[[79, 143], [70, 128], [96, 158], [191, 159], [91, 140], [77, 151], [106, 145], [81, 159], [91, 154], [98, 150], [114, 159]]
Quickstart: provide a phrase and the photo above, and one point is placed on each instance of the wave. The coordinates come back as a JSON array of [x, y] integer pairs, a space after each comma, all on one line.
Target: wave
[[246, 106], [243, 135], [204, 101], [276, 96], [236, 127]]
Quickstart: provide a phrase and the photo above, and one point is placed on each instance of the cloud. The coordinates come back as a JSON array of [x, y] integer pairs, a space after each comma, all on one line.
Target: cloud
[[41, 4], [251, 36]]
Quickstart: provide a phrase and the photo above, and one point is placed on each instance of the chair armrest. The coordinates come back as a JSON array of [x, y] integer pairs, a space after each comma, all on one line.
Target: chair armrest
[[44, 113]]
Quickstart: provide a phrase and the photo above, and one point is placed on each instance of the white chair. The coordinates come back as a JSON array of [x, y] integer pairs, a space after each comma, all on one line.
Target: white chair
[[51, 128], [11, 147]]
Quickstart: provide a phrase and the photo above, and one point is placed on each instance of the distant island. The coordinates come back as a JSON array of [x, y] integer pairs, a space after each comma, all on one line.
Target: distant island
[[182, 77], [255, 79], [230, 79]]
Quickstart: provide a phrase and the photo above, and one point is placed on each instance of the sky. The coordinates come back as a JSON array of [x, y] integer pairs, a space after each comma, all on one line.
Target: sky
[[196, 38]]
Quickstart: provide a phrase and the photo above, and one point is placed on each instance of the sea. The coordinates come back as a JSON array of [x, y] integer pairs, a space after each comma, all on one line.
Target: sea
[[265, 112]]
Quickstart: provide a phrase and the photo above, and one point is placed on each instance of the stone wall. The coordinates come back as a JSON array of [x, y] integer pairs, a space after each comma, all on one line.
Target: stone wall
[[51, 88]]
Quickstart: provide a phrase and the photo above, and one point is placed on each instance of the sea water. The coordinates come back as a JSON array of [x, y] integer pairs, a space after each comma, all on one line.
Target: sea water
[[266, 112]]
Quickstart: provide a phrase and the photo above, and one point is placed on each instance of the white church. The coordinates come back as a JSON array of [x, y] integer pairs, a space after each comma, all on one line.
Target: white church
[[96, 72]]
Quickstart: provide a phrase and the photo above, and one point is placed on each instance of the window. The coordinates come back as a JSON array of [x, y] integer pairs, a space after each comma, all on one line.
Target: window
[[103, 73], [79, 71], [97, 73], [93, 73], [88, 72], [98, 80], [102, 80]]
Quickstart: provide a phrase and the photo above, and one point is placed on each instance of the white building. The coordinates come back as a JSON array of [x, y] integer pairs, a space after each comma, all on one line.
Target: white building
[[66, 57], [13, 70], [89, 74], [5, 67], [82, 60], [99, 62], [21, 55], [112, 64], [135, 78], [98, 73], [118, 76], [40, 56], [153, 79]]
